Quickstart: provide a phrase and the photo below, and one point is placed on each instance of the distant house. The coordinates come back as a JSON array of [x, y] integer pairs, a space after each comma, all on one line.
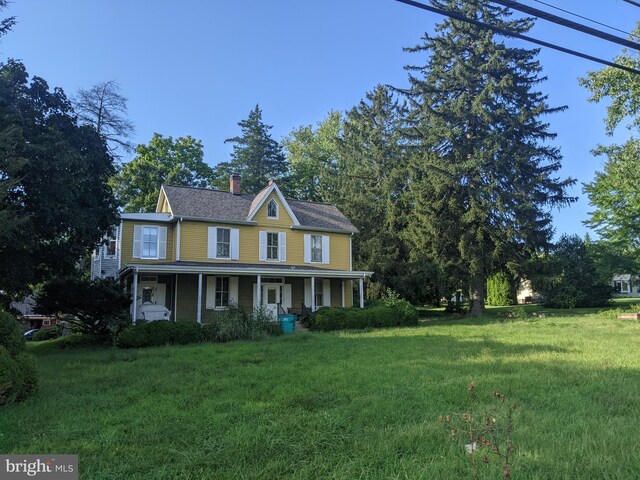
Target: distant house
[[204, 250], [29, 318], [626, 285]]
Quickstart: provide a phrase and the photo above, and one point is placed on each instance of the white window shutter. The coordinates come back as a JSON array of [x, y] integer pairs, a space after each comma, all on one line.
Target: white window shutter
[[307, 248], [233, 290], [263, 246], [162, 242], [286, 296], [282, 245], [212, 240], [326, 292], [235, 244], [137, 241], [211, 293], [307, 292], [326, 257]]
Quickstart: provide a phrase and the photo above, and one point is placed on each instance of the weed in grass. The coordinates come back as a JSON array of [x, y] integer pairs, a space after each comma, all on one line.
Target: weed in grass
[[488, 431]]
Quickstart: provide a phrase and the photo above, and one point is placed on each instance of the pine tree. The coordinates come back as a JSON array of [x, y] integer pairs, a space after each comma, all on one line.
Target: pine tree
[[256, 156], [482, 180]]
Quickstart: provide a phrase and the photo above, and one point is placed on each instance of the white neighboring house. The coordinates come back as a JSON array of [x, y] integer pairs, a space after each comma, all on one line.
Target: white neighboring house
[[105, 261], [626, 285]]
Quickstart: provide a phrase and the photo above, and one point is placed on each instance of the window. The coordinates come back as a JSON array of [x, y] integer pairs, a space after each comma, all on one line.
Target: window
[[111, 247], [622, 287], [272, 246], [222, 292], [316, 248], [149, 242], [147, 294], [319, 293], [223, 245], [272, 209], [271, 296]]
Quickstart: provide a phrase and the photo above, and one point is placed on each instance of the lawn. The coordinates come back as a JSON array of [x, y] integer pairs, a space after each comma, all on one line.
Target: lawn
[[342, 405]]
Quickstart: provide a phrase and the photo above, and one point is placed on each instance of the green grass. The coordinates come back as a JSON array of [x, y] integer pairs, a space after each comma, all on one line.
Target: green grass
[[342, 405], [534, 308]]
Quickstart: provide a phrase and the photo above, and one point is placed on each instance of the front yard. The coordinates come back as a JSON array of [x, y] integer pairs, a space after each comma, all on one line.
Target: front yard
[[341, 405]]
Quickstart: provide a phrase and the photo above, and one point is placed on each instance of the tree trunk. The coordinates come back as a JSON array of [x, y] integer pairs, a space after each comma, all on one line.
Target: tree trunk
[[477, 295]]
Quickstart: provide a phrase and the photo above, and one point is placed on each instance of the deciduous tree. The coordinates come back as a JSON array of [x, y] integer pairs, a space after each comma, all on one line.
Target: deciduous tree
[[162, 160], [104, 107], [55, 204]]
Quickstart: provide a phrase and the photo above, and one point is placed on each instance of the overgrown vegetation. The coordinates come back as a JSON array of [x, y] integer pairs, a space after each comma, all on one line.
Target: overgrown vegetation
[[18, 374]]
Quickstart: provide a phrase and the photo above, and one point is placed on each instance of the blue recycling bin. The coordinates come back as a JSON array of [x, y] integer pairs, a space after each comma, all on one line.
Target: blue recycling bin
[[288, 323]]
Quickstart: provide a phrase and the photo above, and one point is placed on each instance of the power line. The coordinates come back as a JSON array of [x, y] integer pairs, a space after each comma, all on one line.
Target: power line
[[633, 2], [567, 23], [587, 19], [509, 33]]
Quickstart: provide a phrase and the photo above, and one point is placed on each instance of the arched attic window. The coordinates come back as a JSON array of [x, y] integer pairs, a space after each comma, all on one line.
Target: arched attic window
[[272, 209]]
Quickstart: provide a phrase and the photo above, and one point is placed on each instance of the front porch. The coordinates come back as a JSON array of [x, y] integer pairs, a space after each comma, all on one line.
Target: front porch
[[191, 292]]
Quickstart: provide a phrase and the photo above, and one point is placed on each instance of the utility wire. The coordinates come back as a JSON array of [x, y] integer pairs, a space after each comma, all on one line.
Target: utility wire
[[567, 23], [509, 33], [633, 2], [587, 19]]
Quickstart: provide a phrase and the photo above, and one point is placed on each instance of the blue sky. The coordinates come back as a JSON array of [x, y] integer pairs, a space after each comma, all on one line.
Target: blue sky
[[198, 67]]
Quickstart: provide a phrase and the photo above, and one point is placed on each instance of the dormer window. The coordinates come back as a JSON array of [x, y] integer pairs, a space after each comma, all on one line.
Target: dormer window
[[272, 209]]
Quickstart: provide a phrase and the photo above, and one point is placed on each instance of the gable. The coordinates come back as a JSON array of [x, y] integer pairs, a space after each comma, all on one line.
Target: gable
[[282, 219]]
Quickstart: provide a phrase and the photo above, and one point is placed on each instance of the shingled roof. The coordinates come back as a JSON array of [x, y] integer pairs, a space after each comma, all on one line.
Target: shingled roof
[[219, 205]]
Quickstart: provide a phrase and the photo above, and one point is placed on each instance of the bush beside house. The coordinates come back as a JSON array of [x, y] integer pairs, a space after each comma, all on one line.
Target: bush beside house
[[18, 373], [379, 314]]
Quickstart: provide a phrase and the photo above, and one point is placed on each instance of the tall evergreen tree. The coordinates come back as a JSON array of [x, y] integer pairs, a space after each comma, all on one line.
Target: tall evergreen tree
[[256, 156], [482, 183]]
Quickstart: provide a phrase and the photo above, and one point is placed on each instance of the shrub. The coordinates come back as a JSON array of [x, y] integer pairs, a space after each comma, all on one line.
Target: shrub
[[48, 333], [234, 323], [98, 307], [18, 373], [11, 334], [377, 316], [187, 332], [499, 290], [161, 332]]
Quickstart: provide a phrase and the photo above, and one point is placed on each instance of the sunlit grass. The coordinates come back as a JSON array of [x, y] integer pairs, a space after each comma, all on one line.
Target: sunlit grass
[[341, 405]]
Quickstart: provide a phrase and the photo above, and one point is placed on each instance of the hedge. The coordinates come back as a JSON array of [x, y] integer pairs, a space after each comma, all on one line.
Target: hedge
[[377, 315], [161, 332]]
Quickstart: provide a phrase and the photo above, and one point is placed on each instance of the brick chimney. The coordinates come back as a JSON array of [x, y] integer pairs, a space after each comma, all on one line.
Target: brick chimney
[[234, 184]]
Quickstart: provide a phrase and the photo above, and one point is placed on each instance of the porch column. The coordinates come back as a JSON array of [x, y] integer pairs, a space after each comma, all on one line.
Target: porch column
[[342, 291], [313, 294], [361, 293], [199, 317], [134, 313], [175, 299], [259, 291]]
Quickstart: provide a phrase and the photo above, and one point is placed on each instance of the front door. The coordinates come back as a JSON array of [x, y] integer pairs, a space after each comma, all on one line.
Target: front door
[[271, 298]]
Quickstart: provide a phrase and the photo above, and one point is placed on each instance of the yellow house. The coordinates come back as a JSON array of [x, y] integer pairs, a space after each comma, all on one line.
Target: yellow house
[[203, 250]]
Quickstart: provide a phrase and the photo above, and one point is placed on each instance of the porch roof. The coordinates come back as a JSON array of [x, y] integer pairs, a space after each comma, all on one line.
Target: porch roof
[[241, 270]]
